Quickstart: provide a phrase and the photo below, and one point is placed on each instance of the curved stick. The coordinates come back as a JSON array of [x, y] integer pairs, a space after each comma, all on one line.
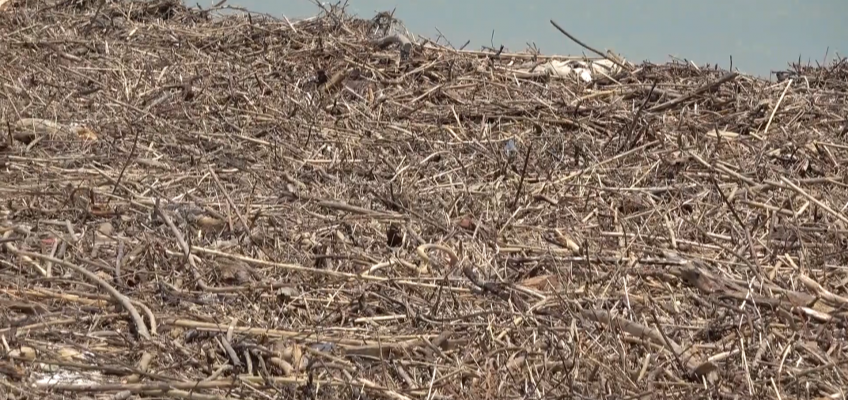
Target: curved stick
[[425, 259], [118, 296]]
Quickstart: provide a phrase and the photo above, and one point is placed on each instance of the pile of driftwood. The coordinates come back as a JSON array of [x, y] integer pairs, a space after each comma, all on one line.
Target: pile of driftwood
[[240, 207]]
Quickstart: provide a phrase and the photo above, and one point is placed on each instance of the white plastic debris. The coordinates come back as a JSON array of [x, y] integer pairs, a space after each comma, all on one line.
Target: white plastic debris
[[66, 377], [585, 70]]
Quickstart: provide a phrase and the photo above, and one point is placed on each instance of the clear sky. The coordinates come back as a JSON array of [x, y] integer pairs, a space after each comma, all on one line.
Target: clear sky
[[761, 35]]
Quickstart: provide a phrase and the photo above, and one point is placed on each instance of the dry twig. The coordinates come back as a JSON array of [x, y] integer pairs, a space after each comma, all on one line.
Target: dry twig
[[310, 174]]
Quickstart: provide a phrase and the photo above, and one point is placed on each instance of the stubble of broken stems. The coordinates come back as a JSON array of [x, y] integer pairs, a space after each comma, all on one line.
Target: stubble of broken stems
[[240, 207]]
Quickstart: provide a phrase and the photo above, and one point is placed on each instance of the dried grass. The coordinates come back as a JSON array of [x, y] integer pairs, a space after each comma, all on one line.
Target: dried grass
[[246, 208]]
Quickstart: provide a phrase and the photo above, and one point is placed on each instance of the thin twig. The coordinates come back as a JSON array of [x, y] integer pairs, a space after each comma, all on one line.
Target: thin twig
[[179, 236], [521, 180], [586, 46]]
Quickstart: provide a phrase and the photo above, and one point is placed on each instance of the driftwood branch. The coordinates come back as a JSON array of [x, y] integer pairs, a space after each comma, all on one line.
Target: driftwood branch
[[703, 88], [124, 301], [638, 330], [388, 40]]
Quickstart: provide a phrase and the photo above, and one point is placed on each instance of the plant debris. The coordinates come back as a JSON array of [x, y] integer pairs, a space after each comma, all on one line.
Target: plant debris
[[239, 207]]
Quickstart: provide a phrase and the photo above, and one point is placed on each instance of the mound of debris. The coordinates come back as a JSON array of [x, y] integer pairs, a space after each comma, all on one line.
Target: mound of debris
[[209, 206]]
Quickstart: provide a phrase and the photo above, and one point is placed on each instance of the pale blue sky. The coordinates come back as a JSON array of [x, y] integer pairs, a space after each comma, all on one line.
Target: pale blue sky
[[762, 35]]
